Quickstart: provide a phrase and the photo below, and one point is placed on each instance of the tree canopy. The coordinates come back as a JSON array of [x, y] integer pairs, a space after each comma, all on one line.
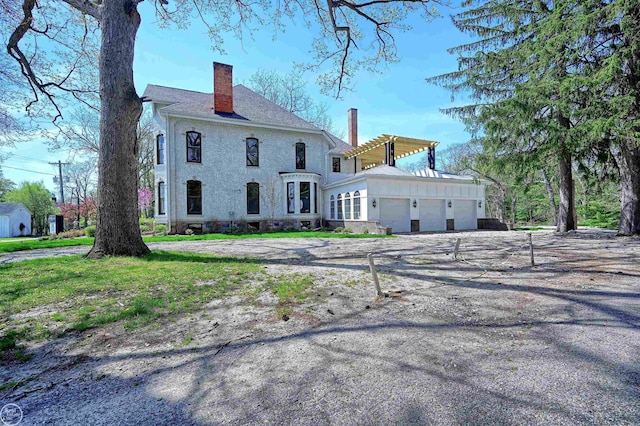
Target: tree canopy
[[554, 83]]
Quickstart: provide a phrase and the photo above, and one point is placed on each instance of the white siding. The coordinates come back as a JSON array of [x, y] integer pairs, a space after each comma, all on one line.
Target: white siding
[[223, 170], [5, 229]]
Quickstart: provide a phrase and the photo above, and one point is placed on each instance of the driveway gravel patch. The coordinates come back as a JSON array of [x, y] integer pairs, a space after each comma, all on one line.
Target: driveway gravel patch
[[482, 339]]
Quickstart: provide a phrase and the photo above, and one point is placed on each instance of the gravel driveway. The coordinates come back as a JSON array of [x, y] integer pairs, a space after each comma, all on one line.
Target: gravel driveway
[[482, 339]]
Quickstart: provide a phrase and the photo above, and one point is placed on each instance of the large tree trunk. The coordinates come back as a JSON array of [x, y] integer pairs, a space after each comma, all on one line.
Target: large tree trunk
[[629, 164], [118, 231], [567, 206], [551, 196]]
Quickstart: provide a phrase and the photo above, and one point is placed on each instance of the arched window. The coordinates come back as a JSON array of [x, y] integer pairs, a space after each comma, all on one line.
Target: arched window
[[162, 207], [160, 148], [332, 208], [253, 198], [194, 147], [301, 162], [347, 206], [252, 152], [339, 206], [356, 205], [194, 197]]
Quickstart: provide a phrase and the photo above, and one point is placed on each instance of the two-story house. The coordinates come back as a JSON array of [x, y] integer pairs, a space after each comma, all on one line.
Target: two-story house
[[233, 158]]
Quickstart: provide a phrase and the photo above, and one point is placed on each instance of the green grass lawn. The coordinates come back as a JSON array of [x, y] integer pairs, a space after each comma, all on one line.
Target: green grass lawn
[[77, 293], [57, 295], [7, 247]]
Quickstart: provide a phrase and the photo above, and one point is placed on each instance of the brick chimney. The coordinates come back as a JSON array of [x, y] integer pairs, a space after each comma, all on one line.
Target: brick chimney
[[222, 88], [353, 127]]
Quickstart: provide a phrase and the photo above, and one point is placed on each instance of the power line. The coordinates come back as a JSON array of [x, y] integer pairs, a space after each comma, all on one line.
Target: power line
[[25, 170], [27, 158]]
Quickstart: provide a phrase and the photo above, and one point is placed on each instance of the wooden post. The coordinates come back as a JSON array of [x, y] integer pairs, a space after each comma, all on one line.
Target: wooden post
[[531, 249], [455, 251], [372, 267]]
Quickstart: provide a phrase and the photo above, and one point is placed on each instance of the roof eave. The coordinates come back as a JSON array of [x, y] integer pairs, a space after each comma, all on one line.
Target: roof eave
[[237, 122]]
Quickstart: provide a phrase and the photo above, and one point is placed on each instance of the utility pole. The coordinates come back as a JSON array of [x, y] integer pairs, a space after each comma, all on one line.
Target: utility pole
[[60, 164]]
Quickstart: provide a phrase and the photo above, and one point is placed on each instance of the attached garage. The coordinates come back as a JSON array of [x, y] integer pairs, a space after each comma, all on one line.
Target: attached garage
[[395, 214], [465, 215], [433, 216]]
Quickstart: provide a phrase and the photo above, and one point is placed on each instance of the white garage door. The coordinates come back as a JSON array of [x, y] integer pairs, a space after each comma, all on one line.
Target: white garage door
[[394, 213], [4, 227], [433, 216], [465, 215]]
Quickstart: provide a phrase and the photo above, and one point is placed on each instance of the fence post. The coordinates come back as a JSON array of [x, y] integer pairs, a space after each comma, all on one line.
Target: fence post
[[531, 248], [372, 267], [455, 251]]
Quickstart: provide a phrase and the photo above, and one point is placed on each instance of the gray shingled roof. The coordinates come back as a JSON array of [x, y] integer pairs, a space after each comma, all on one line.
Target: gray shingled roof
[[247, 105], [341, 146], [8, 208]]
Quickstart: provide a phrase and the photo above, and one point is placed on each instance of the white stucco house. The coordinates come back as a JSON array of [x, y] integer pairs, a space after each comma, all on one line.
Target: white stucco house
[[233, 158], [15, 220]]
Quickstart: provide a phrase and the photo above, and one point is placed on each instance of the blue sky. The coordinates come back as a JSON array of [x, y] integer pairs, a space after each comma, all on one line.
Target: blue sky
[[396, 101]]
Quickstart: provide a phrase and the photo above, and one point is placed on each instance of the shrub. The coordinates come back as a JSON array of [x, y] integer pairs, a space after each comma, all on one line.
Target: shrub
[[188, 232], [338, 230], [144, 228], [160, 229], [90, 231], [146, 221], [72, 233], [365, 231]]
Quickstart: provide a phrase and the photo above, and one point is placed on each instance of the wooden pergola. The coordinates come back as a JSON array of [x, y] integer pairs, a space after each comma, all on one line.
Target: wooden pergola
[[385, 149]]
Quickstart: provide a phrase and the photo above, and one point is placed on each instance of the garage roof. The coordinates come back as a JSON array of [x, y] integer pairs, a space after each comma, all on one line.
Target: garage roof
[[372, 152]]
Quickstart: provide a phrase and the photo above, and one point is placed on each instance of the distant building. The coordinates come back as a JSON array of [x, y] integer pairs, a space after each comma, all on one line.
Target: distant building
[[233, 157], [15, 220]]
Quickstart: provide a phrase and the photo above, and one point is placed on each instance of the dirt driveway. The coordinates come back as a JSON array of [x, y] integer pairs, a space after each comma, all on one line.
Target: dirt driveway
[[482, 339]]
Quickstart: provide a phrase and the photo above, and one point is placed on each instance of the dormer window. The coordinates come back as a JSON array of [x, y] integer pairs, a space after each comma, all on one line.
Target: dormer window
[[336, 164], [194, 146], [301, 162]]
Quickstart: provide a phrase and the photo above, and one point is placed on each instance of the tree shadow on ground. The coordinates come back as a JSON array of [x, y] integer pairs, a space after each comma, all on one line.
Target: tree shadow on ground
[[574, 361]]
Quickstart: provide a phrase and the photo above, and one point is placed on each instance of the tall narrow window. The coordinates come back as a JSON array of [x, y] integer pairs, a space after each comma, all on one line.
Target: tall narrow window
[[291, 198], [336, 164], [315, 198], [305, 197], [160, 148], [253, 198], [161, 198], [339, 206], [347, 206], [252, 152], [194, 197], [301, 162], [332, 208], [356, 205], [194, 147]]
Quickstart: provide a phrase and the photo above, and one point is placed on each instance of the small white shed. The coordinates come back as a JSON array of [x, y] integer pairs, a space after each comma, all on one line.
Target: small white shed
[[15, 220]]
